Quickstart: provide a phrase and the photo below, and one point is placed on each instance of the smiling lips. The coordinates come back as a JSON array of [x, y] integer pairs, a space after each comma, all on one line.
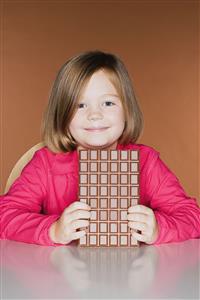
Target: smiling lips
[[96, 129]]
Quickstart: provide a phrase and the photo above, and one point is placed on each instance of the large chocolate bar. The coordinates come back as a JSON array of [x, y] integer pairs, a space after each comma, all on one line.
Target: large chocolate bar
[[109, 183]]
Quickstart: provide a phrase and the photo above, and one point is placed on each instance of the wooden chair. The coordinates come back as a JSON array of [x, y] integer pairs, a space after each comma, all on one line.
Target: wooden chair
[[16, 171]]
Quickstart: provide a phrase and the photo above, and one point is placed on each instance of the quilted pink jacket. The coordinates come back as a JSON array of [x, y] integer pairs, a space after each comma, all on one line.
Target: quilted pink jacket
[[49, 183]]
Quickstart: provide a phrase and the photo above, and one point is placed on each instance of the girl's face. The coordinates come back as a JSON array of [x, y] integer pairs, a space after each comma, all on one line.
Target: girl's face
[[99, 120]]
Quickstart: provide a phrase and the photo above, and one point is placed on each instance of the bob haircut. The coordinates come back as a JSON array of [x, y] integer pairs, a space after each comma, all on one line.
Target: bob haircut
[[66, 91]]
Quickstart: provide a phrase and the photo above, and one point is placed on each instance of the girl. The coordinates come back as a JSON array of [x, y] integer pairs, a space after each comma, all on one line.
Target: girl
[[92, 105]]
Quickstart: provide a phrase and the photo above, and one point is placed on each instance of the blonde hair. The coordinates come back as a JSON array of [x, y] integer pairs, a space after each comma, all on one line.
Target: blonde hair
[[66, 90]]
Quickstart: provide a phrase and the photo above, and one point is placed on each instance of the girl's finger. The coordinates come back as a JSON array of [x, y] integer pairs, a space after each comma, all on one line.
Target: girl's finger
[[78, 214], [76, 206], [139, 236], [136, 217], [79, 224], [140, 209], [138, 226], [77, 234], [68, 237]]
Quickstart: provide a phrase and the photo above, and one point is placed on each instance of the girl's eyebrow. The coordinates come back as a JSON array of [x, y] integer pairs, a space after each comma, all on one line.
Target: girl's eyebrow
[[113, 95]]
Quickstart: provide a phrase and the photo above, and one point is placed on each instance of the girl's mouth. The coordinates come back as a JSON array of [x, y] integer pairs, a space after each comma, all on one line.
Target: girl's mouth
[[96, 129]]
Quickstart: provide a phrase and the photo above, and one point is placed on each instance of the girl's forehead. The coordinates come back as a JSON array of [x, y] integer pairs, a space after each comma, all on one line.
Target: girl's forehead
[[99, 84]]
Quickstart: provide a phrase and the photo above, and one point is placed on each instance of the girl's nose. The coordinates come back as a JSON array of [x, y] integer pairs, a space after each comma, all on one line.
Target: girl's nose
[[95, 114]]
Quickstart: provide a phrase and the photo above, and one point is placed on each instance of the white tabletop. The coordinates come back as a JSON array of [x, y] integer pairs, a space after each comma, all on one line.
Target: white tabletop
[[153, 272]]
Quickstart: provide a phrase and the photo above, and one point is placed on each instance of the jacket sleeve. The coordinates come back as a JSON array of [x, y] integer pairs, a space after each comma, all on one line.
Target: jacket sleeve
[[21, 217], [177, 215]]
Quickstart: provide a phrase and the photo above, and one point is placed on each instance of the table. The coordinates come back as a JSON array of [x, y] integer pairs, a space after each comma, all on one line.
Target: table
[[153, 272]]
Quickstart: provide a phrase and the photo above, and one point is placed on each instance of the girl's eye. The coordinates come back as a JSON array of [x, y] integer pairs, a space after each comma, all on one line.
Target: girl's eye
[[81, 105], [106, 103], [109, 103]]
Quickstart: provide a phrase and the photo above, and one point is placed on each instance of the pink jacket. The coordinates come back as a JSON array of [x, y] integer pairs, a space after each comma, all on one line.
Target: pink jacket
[[49, 183]]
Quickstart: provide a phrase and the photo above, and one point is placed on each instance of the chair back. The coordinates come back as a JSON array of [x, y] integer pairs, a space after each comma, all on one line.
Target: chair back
[[24, 159]]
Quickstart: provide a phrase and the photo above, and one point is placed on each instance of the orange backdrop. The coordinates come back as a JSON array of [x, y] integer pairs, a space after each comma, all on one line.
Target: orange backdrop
[[157, 40]]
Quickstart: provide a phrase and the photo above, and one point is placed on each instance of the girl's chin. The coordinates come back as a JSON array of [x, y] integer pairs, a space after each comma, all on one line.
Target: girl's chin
[[97, 146]]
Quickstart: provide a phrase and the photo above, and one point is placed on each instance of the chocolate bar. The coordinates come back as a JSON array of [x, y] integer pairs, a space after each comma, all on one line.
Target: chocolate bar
[[109, 183]]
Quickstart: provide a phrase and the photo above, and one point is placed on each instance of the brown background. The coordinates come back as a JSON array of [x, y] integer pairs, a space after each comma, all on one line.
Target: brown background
[[158, 42]]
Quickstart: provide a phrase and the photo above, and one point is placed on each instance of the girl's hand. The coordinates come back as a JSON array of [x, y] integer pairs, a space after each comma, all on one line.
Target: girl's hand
[[75, 216], [142, 218]]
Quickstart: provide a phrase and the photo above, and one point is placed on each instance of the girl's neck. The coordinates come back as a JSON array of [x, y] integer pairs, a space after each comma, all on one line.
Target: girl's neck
[[111, 147]]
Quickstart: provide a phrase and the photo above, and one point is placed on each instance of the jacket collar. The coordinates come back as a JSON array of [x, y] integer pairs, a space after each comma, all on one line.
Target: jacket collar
[[65, 163]]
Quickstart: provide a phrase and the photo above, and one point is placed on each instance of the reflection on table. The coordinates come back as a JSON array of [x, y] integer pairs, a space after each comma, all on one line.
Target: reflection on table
[[163, 271]]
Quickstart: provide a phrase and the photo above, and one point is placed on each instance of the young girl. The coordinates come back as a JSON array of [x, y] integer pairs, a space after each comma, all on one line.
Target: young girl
[[92, 106]]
